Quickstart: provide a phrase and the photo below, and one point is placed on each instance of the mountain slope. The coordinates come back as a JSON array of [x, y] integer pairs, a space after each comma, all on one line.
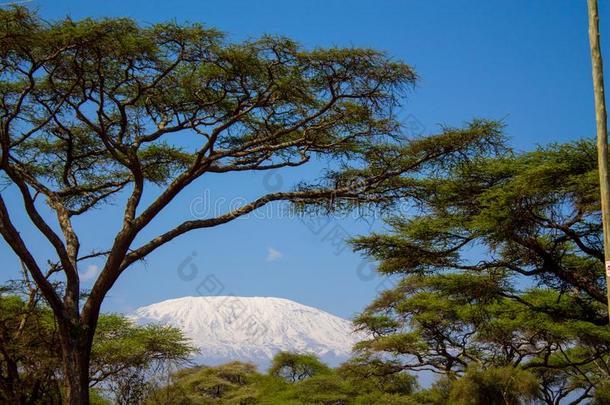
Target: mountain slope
[[253, 329]]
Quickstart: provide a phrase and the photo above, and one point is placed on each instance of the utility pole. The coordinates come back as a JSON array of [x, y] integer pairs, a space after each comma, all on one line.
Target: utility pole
[[601, 121]]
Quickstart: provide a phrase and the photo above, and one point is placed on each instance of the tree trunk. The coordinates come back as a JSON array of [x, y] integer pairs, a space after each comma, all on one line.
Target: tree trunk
[[76, 350], [601, 121]]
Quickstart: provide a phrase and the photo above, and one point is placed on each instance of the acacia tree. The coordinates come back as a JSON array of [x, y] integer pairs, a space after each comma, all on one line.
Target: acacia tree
[[502, 268], [105, 109], [294, 367]]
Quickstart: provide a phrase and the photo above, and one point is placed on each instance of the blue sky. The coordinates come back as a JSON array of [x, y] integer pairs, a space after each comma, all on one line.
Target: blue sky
[[526, 62]]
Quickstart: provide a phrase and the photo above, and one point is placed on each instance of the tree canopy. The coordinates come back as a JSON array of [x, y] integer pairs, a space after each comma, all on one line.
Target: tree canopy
[[295, 367], [240, 383], [502, 267], [125, 357]]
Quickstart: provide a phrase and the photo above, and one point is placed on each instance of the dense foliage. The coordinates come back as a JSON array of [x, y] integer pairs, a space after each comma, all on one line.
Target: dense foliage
[[125, 358], [356, 382], [502, 268], [293, 379]]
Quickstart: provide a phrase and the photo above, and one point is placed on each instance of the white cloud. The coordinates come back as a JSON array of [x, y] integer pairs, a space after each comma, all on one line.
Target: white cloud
[[90, 273], [273, 255]]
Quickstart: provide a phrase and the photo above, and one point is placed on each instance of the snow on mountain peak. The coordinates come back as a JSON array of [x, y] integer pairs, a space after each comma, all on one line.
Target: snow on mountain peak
[[253, 329]]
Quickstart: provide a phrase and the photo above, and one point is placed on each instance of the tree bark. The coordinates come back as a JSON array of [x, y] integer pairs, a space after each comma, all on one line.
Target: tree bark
[[75, 351], [601, 120]]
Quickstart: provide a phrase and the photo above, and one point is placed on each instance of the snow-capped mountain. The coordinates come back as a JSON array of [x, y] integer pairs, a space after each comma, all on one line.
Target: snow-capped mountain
[[253, 329]]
